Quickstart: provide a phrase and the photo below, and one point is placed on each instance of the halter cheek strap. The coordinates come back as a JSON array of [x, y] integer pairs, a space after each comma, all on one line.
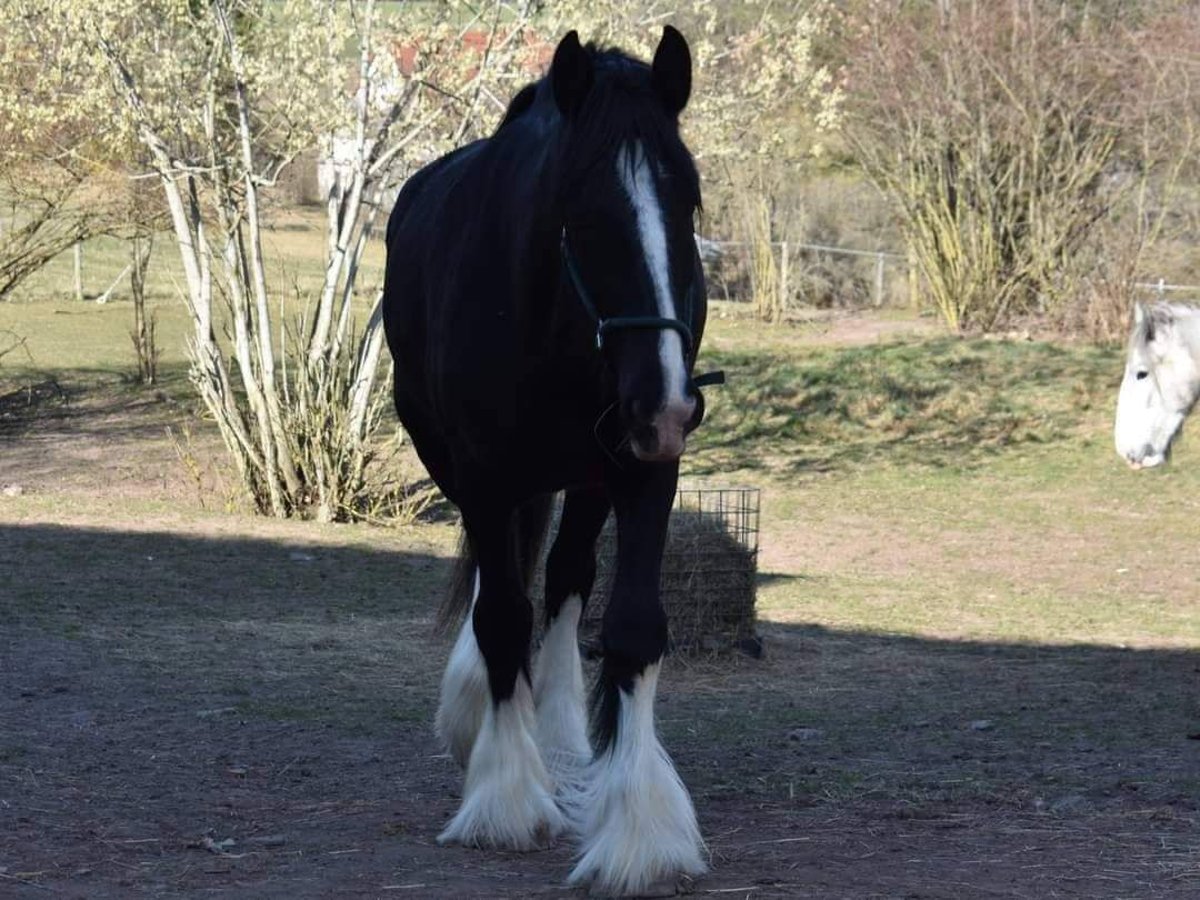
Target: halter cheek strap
[[623, 323], [616, 323]]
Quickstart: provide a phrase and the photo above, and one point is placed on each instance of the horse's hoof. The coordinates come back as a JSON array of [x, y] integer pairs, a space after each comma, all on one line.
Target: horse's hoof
[[507, 801], [495, 836], [540, 841], [665, 888]]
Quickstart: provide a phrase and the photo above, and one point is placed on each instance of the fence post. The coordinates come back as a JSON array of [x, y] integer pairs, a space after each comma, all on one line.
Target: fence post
[[878, 280], [914, 282], [1162, 289], [783, 278], [79, 271]]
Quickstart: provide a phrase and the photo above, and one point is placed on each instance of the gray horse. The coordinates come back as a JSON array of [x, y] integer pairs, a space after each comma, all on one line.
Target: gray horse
[[1161, 383]]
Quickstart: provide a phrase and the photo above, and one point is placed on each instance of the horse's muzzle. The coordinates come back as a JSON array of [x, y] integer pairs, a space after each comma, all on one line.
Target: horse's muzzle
[[664, 437], [659, 447], [1149, 461]]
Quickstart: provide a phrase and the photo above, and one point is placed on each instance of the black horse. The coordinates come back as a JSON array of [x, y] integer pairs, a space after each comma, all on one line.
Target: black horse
[[544, 303]]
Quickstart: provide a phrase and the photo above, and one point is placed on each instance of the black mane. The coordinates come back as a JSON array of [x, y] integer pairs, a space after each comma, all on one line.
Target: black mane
[[518, 105]]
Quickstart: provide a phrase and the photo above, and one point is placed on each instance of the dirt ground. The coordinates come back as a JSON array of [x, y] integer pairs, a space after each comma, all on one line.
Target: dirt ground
[[198, 704]]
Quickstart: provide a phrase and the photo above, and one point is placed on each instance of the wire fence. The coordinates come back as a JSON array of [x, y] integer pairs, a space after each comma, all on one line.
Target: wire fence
[[1160, 288], [810, 274], [866, 278]]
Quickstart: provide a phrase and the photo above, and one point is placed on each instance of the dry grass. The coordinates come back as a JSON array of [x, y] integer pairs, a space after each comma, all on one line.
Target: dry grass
[[293, 246]]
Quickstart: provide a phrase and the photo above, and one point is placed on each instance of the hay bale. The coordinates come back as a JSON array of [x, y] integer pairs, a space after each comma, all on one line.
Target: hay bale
[[709, 571]]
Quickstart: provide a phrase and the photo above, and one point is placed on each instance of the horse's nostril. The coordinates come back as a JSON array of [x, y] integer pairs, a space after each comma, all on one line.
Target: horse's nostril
[[639, 410]]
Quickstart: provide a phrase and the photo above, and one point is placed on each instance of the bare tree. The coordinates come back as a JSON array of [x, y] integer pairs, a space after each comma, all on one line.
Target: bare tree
[[1157, 174], [296, 408], [144, 332], [1006, 134], [56, 184]]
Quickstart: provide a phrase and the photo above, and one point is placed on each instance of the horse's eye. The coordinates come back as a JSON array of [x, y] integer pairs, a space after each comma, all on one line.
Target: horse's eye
[[1142, 374]]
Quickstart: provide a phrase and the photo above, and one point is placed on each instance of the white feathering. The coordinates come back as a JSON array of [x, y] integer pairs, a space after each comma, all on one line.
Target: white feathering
[[559, 697], [633, 812], [464, 694], [507, 802]]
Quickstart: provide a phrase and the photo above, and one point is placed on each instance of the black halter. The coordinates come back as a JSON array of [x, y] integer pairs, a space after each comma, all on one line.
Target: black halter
[[618, 323]]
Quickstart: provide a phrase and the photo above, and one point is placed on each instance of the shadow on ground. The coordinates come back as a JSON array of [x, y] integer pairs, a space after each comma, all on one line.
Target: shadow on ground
[[94, 403], [103, 430], [188, 715]]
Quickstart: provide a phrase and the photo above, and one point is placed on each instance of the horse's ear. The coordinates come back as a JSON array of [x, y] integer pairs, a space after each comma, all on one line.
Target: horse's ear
[[671, 71], [1159, 323], [570, 74], [1139, 313]]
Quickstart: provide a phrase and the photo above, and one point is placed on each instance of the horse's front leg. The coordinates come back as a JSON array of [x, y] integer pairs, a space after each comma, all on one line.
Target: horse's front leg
[[507, 795], [636, 820]]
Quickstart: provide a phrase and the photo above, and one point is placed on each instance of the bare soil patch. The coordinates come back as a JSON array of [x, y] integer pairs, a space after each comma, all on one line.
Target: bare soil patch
[[98, 434]]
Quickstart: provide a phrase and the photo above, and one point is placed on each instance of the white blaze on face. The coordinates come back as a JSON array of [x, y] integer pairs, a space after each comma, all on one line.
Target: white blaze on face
[[634, 171]]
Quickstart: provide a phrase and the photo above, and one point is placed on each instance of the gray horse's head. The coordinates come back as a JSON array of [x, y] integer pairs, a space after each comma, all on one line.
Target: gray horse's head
[[1161, 383]]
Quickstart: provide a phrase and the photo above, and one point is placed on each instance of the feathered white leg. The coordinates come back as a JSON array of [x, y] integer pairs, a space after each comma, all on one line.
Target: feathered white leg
[[507, 801], [558, 697], [635, 817], [464, 691]]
